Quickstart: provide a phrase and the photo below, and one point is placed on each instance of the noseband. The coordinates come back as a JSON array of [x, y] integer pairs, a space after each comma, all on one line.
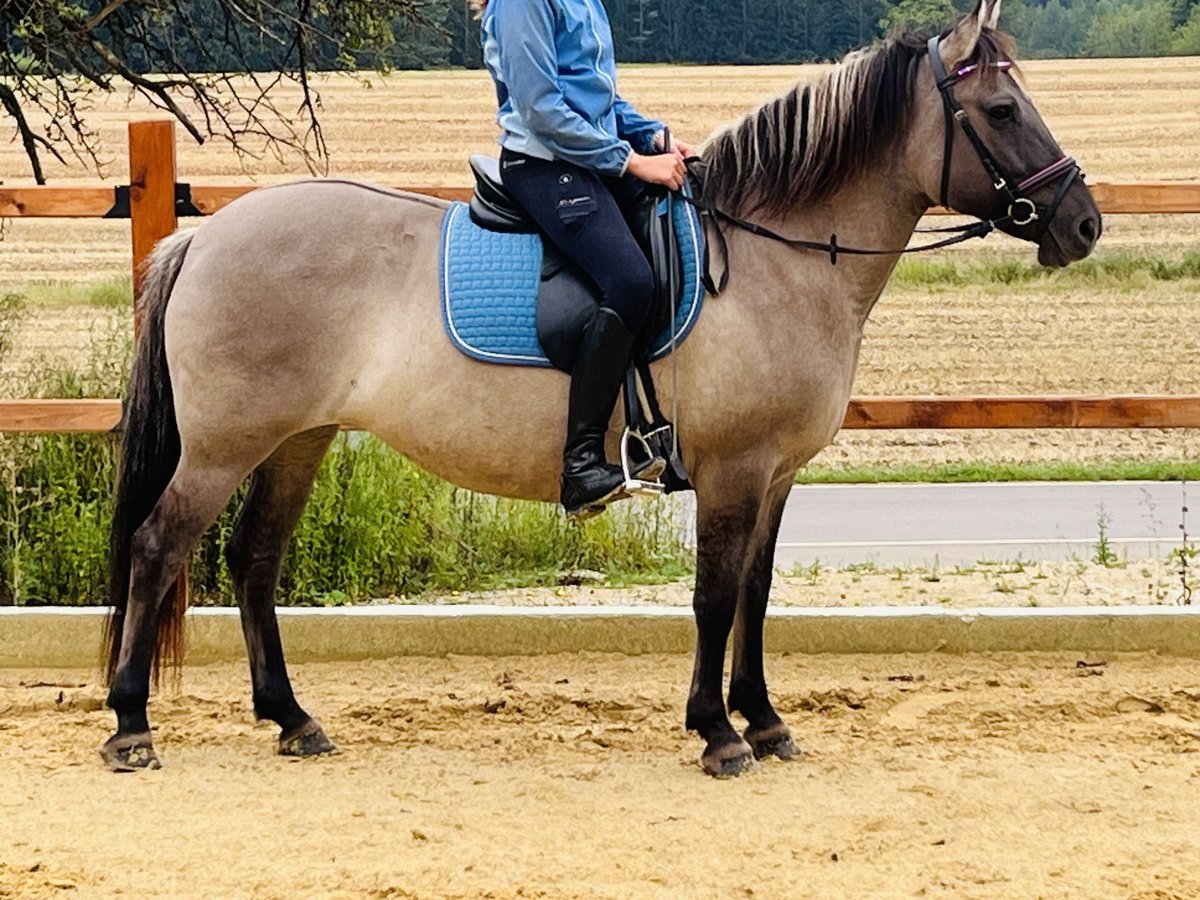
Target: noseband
[[1022, 210]]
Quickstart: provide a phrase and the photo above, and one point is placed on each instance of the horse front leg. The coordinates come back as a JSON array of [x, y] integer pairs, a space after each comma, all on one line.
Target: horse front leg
[[766, 733], [728, 510]]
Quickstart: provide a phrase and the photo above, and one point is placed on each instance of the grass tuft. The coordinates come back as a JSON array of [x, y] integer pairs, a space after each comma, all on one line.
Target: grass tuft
[[115, 293], [1107, 268]]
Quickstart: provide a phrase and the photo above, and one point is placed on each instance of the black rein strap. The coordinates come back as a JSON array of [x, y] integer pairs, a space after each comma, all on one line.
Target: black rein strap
[[832, 247]]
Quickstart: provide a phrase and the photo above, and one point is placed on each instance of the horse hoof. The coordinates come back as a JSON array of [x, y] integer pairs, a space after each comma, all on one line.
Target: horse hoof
[[129, 752], [773, 741], [728, 760], [307, 740]]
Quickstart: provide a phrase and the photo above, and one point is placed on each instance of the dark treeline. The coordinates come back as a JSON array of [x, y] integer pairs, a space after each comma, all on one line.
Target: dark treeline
[[786, 31], [689, 31]]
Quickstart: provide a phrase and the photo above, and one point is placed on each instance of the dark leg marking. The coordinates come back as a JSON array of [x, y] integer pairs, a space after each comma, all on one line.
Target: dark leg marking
[[723, 534], [189, 505], [279, 490], [766, 733]]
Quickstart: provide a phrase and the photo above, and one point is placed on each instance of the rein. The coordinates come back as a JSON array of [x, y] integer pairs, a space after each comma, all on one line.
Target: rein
[[1016, 196], [959, 233]]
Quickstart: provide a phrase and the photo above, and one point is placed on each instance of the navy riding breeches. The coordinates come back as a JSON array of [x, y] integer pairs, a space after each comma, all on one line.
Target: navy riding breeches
[[580, 211]]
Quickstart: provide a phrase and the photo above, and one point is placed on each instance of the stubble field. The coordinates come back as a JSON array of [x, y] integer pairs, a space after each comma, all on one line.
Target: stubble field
[[1125, 120]]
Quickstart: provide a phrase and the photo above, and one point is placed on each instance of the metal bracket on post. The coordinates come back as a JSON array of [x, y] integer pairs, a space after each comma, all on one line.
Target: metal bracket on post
[[120, 207], [121, 202], [183, 202]]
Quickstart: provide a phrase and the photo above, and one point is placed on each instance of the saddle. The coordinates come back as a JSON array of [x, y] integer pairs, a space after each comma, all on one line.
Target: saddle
[[567, 300]]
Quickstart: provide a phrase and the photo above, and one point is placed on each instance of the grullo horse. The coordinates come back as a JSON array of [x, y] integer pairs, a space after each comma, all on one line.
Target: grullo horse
[[308, 307]]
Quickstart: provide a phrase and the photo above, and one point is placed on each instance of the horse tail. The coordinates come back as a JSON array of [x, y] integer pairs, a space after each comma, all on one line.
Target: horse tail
[[148, 458]]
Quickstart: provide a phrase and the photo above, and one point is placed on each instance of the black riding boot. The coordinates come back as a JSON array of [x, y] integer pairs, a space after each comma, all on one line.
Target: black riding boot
[[588, 480]]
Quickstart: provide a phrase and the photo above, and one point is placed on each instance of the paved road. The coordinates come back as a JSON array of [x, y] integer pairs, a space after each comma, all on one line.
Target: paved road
[[965, 523]]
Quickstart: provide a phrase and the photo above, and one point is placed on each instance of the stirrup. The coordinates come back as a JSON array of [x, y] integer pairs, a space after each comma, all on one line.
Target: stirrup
[[646, 483]]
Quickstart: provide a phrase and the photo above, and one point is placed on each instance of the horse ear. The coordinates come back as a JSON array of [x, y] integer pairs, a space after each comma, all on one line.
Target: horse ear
[[994, 15], [958, 46]]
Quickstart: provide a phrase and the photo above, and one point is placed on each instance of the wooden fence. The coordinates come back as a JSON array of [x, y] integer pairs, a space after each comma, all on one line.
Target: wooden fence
[[154, 199]]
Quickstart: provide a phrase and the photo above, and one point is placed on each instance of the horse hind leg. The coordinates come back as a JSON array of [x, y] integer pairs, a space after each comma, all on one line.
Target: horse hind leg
[[279, 490], [191, 502]]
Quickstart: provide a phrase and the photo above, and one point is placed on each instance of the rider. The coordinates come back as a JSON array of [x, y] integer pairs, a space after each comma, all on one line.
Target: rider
[[571, 153]]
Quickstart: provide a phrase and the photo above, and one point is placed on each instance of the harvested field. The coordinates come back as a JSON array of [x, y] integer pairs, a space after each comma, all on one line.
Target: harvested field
[[1126, 120], [981, 776]]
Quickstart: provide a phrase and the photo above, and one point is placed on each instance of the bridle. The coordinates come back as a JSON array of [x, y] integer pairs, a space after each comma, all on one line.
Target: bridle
[[1021, 210]]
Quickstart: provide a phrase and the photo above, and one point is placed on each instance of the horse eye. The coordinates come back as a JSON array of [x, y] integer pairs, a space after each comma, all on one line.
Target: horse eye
[[1001, 112]]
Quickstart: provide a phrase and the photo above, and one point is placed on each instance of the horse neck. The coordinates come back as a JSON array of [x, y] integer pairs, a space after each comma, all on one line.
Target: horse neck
[[880, 210]]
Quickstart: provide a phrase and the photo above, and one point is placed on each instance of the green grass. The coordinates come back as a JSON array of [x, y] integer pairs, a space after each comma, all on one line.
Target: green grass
[[1128, 470], [913, 272], [1104, 268], [116, 293]]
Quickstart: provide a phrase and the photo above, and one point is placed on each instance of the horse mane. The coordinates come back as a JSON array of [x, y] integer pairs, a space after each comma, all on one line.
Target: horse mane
[[808, 144]]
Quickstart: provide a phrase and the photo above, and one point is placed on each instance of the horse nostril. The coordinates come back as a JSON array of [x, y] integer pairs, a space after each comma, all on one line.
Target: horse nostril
[[1088, 229]]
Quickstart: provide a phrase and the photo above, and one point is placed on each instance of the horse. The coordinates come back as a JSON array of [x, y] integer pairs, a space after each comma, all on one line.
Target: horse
[[308, 307]]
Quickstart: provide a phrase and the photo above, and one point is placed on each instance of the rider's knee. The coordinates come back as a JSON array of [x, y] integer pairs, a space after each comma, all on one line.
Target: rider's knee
[[629, 292]]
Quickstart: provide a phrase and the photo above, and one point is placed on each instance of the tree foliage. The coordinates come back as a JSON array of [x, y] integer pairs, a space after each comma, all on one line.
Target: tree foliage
[[917, 15], [185, 58], [1131, 30], [1186, 40]]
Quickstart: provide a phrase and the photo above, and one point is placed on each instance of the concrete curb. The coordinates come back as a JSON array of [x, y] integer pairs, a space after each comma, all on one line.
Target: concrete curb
[[70, 638]]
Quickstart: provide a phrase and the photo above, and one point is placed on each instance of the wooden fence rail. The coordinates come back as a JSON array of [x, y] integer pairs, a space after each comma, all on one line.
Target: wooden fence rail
[[154, 199], [990, 412]]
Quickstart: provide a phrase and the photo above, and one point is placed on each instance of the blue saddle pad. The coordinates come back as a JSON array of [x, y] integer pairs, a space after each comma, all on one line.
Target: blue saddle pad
[[490, 284]]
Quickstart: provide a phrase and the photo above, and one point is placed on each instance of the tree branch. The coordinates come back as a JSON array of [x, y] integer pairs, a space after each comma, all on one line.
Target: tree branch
[[30, 140], [159, 89], [109, 8], [223, 63]]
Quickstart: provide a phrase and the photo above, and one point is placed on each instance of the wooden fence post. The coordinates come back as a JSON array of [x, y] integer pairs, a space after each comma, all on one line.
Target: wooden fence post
[[152, 217], [151, 193]]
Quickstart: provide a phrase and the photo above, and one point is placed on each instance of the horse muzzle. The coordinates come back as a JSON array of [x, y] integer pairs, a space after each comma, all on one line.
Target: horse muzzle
[[1072, 235]]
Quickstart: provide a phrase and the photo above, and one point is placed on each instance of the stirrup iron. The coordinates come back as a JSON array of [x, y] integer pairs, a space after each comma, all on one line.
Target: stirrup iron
[[643, 486]]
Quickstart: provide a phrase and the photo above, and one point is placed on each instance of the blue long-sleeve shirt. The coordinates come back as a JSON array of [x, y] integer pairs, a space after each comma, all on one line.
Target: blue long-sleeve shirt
[[556, 84]]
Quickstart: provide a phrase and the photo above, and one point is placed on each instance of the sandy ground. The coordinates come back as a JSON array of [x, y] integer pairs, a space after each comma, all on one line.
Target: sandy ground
[[997, 776]]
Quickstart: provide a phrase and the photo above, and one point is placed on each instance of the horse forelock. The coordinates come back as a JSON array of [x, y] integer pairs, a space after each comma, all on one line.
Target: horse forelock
[[808, 144]]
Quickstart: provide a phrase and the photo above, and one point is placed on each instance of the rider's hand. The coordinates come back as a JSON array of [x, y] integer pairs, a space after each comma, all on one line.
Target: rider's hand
[[665, 169], [680, 149]]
